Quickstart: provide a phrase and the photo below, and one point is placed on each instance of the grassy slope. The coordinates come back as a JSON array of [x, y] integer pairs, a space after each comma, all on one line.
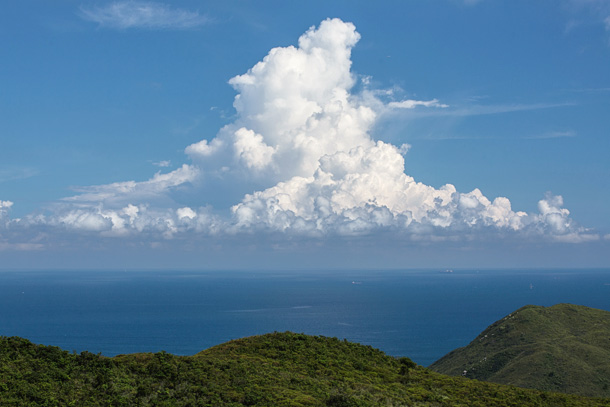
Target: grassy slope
[[560, 348], [280, 369]]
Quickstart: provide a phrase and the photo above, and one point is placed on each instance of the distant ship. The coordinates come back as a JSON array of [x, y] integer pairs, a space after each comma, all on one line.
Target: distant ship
[[447, 271]]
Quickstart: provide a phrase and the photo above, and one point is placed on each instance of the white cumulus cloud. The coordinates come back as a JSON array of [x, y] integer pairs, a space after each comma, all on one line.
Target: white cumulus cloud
[[203, 148], [251, 149], [365, 189], [294, 106], [4, 208], [352, 184], [304, 162]]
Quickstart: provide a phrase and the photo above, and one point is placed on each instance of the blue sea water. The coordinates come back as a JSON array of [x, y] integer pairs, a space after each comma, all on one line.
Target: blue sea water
[[420, 314]]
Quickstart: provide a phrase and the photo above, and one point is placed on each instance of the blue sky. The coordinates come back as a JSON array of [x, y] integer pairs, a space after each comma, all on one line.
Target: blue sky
[[239, 134]]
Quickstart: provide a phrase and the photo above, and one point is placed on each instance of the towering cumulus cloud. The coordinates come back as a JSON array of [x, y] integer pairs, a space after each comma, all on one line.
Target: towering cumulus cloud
[[300, 122], [294, 107], [302, 141]]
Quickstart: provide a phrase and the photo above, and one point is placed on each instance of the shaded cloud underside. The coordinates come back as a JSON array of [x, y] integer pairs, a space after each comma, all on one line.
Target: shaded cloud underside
[[304, 136]]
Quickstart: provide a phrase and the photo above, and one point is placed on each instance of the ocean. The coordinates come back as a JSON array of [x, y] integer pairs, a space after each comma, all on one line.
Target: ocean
[[419, 314]]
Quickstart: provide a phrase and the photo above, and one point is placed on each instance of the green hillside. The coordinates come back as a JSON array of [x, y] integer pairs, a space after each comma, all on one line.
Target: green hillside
[[280, 369], [562, 348]]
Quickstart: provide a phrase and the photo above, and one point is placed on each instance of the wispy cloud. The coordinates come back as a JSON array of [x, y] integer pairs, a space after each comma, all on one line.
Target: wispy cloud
[[478, 110], [411, 104], [163, 164], [590, 90], [585, 12], [12, 174], [143, 15], [554, 134], [474, 109], [159, 184], [20, 246]]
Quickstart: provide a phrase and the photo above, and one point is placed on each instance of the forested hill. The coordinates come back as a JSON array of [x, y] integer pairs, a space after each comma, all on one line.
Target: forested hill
[[279, 369], [560, 348]]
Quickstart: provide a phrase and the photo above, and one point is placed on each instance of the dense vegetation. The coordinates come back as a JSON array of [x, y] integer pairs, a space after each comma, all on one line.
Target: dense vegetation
[[280, 369], [560, 348]]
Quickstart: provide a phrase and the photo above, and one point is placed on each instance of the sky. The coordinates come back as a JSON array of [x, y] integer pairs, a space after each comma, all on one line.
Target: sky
[[285, 135]]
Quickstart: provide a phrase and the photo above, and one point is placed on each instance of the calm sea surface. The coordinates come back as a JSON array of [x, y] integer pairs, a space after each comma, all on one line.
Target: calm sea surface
[[420, 314]]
